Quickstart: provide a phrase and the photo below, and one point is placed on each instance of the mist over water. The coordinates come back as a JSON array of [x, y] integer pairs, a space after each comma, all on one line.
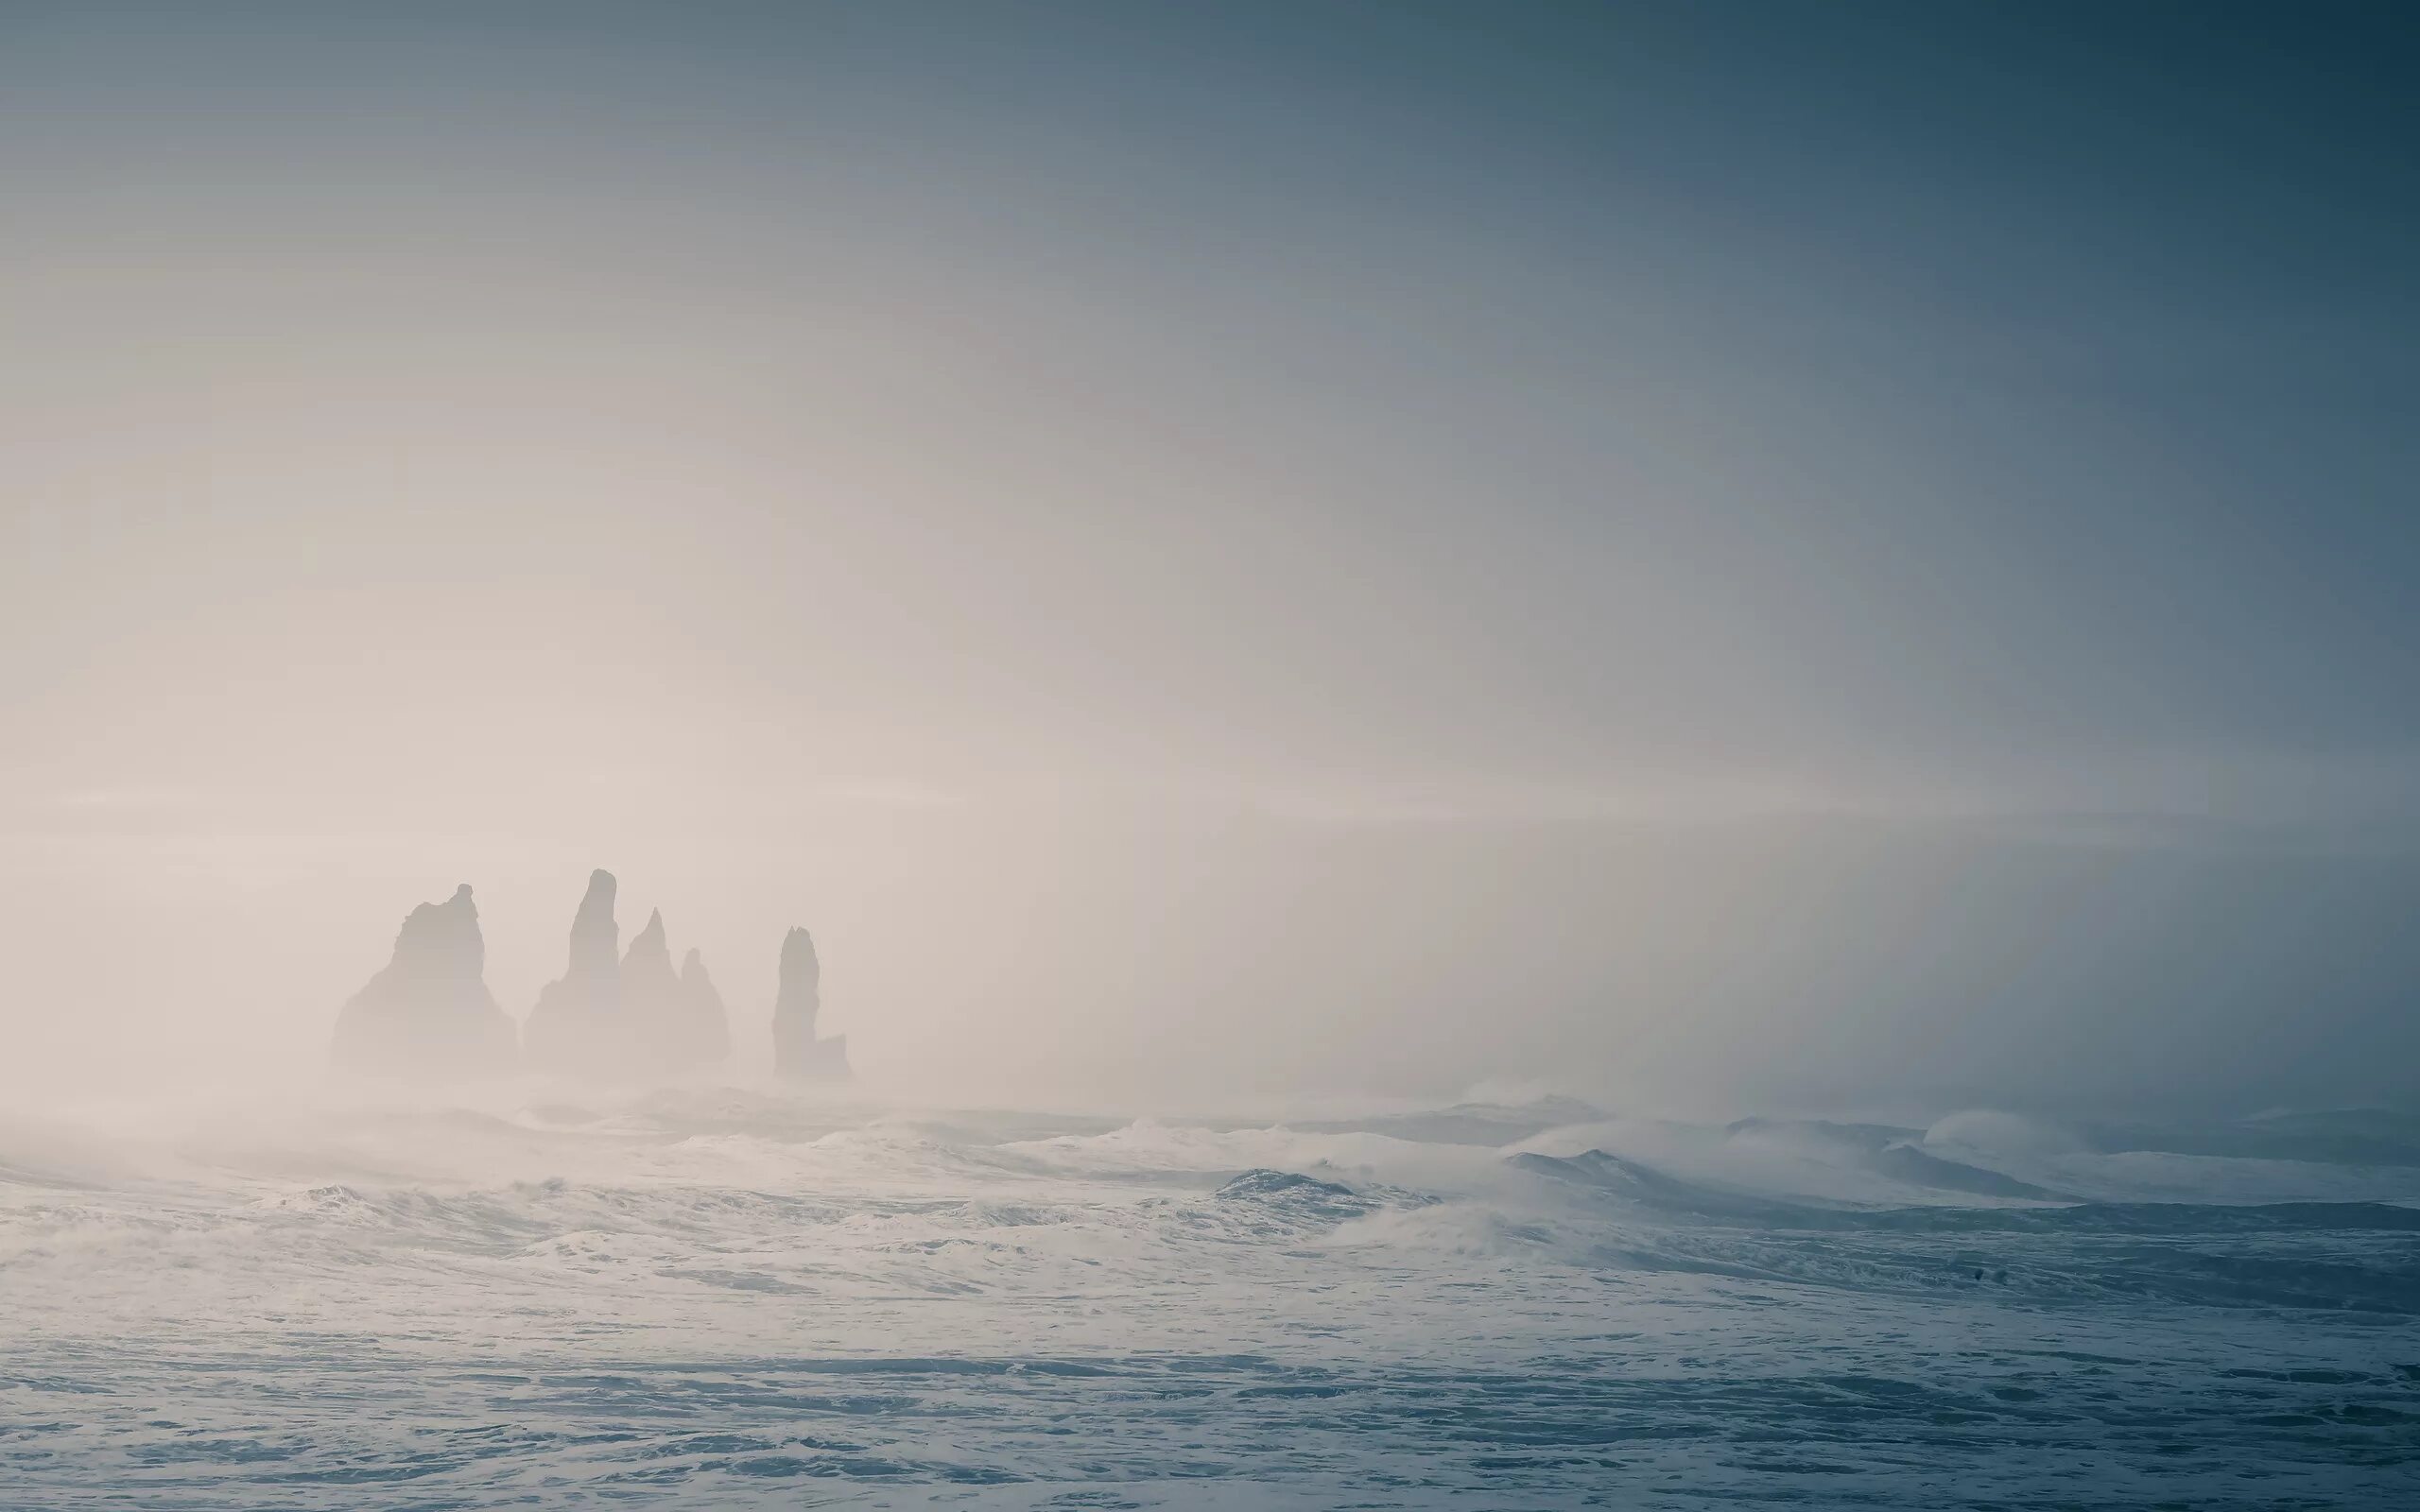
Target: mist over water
[[738, 1298], [1082, 755], [640, 1245]]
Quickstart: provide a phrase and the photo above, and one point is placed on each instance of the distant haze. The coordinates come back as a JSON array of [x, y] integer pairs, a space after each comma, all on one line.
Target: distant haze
[[1837, 558]]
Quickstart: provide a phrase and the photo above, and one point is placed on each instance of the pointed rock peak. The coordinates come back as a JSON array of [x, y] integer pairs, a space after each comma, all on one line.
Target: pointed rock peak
[[442, 939], [429, 1014], [594, 932], [798, 1054], [700, 987], [798, 952], [598, 899], [649, 944], [797, 999], [455, 916]]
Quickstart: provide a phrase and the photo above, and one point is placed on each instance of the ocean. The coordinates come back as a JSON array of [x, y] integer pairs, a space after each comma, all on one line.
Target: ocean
[[730, 1297]]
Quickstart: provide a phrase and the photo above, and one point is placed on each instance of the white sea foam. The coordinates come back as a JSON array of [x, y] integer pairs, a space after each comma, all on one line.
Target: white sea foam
[[721, 1297]]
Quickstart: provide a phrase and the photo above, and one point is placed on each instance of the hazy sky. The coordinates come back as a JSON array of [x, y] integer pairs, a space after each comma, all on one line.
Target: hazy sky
[[1715, 553]]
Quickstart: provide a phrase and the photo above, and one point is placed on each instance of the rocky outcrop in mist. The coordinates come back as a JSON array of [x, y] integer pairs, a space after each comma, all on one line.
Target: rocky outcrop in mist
[[675, 1018], [631, 1019], [577, 1027], [615, 1016], [650, 988], [428, 1015], [708, 1025], [798, 1055]]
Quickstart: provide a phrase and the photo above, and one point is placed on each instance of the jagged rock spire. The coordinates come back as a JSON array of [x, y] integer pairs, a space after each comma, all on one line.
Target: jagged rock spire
[[703, 1010], [429, 1014], [628, 1020], [577, 1027], [593, 932], [647, 945], [800, 994], [798, 1054], [677, 1026]]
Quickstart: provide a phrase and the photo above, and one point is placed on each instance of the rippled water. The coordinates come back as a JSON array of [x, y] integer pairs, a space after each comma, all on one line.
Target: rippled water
[[731, 1300]]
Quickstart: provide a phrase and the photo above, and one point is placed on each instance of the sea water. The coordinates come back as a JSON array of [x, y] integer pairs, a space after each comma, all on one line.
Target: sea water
[[730, 1298]]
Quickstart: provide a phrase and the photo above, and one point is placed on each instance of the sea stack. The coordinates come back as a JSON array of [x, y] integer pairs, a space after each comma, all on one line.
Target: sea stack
[[628, 1016], [428, 1016], [651, 991], [707, 1025], [675, 1018], [798, 1055], [578, 1026]]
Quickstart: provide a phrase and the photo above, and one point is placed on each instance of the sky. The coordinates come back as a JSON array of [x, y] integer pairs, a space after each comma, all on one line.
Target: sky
[[1719, 555]]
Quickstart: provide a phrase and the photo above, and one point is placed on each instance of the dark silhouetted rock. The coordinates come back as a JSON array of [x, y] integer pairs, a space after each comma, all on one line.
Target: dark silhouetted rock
[[650, 988], [578, 1026], [800, 995], [798, 1055], [676, 1017], [628, 1019], [595, 935], [428, 1015]]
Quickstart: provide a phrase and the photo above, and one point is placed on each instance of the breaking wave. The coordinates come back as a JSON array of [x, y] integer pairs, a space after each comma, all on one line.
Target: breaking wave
[[711, 1297]]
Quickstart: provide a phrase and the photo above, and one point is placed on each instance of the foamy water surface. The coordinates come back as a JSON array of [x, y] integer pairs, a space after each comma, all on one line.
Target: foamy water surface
[[732, 1298]]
